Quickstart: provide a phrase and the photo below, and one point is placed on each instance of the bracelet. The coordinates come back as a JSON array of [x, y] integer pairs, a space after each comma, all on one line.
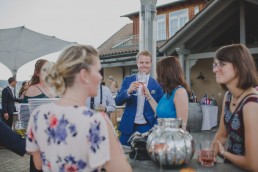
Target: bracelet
[[148, 98]]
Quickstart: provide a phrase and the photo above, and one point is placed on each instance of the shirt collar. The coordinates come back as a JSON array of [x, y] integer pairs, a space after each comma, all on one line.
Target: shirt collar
[[10, 87]]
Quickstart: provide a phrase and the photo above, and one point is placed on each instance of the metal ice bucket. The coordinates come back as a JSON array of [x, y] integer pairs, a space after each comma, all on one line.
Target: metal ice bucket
[[169, 145]]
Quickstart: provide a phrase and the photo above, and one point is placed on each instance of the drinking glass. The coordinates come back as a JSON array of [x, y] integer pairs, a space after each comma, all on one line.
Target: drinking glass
[[142, 79], [206, 155]]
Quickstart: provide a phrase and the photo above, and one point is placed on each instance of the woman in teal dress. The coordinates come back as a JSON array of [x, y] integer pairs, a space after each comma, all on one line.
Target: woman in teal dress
[[174, 103], [37, 87]]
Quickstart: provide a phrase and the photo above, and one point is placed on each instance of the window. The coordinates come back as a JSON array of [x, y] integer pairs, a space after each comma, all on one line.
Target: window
[[177, 20], [161, 27], [196, 10]]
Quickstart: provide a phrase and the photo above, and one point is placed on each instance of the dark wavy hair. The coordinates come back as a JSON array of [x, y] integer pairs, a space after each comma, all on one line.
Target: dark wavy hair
[[243, 63], [35, 77], [22, 88], [170, 75]]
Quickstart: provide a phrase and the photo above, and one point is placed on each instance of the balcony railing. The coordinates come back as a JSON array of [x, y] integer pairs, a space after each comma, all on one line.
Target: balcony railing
[[126, 41]]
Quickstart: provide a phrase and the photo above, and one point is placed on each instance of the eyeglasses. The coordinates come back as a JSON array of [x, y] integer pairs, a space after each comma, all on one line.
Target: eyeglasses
[[219, 64]]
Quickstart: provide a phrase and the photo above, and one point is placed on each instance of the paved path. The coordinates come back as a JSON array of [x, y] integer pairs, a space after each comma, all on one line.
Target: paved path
[[10, 162]]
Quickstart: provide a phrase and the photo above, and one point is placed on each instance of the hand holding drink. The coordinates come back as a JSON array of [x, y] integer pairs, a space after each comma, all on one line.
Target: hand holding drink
[[142, 80], [100, 108]]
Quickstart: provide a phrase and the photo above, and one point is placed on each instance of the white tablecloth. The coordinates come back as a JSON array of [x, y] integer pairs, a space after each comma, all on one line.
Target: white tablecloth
[[210, 117]]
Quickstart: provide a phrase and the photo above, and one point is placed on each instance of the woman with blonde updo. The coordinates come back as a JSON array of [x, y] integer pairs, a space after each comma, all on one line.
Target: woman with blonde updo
[[66, 135]]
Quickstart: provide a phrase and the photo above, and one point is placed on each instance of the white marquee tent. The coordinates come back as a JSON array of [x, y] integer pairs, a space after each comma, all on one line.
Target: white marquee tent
[[20, 45]]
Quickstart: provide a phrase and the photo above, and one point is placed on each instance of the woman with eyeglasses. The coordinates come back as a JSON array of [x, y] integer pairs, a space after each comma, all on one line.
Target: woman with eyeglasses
[[236, 72], [65, 135]]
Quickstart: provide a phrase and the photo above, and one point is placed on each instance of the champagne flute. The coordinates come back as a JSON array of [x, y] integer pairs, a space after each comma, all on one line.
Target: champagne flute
[[142, 79]]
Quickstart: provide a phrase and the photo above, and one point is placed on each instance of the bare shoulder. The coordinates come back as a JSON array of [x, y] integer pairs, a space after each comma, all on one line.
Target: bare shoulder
[[180, 91], [32, 91]]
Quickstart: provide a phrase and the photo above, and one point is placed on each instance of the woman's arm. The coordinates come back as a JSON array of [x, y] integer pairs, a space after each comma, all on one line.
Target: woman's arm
[[118, 161], [181, 105], [249, 160], [151, 100], [37, 160], [221, 134]]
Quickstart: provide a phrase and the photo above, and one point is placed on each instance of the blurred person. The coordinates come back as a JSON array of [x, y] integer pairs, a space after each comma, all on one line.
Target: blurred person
[[103, 102], [11, 140], [38, 89], [236, 73], [8, 102], [25, 85], [37, 86], [138, 114], [113, 85], [66, 135], [174, 103]]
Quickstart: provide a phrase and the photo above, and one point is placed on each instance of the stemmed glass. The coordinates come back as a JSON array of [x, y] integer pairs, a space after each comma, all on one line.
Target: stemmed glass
[[142, 79]]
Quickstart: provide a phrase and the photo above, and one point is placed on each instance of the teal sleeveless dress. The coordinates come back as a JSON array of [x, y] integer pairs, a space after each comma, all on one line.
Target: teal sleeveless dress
[[25, 99], [166, 107]]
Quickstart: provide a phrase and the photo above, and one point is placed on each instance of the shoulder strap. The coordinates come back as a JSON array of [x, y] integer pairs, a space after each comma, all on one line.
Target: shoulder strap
[[100, 100], [39, 88], [240, 105], [92, 99], [92, 102]]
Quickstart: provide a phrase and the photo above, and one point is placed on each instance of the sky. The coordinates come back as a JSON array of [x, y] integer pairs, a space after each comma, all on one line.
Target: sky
[[82, 21]]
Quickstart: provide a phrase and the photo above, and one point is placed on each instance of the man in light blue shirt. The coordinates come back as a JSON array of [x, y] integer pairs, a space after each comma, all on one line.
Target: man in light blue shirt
[[103, 102]]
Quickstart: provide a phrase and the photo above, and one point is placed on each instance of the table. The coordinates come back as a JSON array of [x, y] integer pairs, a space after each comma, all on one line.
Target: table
[[210, 117], [147, 166]]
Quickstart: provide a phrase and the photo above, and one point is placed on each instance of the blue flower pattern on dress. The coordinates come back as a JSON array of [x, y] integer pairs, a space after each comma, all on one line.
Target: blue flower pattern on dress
[[69, 163], [35, 119], [94, 138], [235, 124], [58, 129], [88, 113]]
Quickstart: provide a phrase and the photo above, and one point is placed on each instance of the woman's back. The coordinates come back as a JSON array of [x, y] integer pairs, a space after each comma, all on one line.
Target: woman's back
[[69, 137]]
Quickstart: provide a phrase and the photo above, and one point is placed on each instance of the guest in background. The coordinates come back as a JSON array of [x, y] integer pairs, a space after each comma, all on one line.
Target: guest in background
[[8, 101], [113, 85], [138, 114], [66, 135], [174, 103], [38, 89], [25, 85], [37, 86], [236, 72], [103, 102]]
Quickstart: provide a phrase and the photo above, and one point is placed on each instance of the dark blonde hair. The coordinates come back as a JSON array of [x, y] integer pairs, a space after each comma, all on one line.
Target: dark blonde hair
[[243, 63], [144, 52], [35, 77], [170, 75], [70, 62]]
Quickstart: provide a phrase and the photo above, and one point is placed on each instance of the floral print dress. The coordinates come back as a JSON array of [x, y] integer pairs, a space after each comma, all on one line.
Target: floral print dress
[[69, 138], [235, 125]]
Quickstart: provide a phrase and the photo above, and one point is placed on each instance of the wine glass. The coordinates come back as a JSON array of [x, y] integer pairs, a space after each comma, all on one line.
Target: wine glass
[[142, 79]]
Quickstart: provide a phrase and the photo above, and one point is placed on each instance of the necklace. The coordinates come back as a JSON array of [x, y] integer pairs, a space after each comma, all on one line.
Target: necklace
[[74, 101], [236, 98]]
